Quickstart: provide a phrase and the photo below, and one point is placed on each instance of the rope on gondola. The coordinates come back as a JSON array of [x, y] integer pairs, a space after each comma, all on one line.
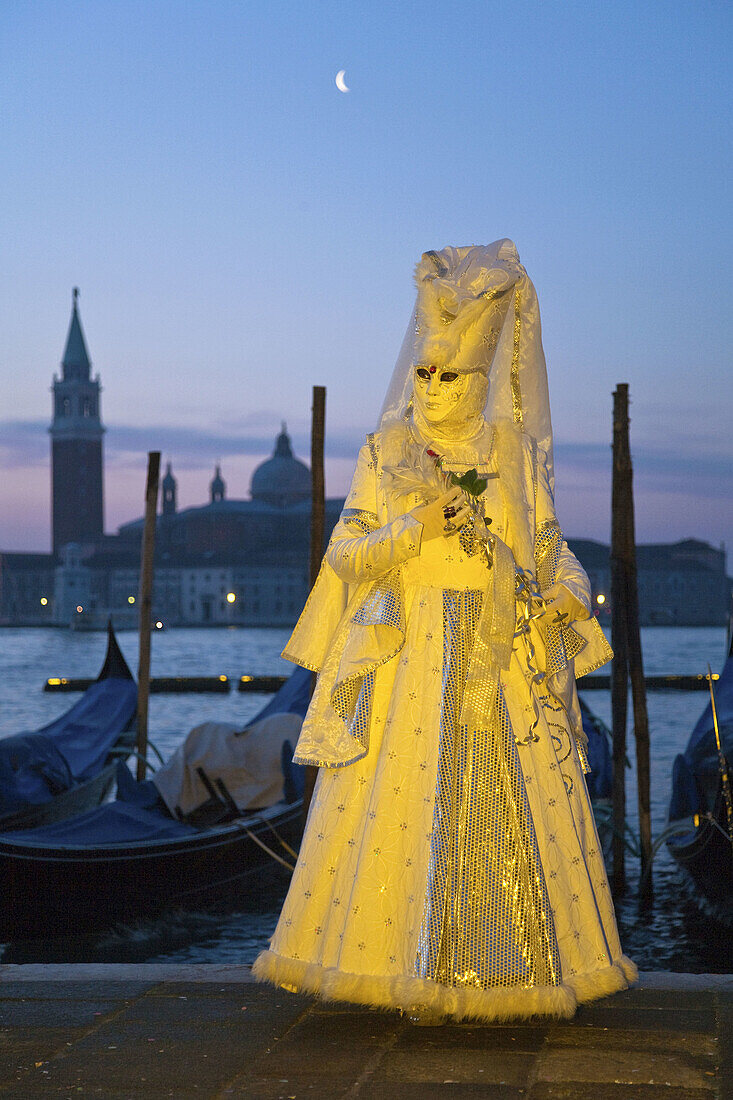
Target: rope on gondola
[[284, 843], [267, 849], [138, 756], [157, 752], [226, 797], [603, 816], [678, 828], [709, 818]]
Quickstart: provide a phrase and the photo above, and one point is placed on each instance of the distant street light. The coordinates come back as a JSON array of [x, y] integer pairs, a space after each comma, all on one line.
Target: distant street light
[[130, 599], [44, 601], [600, 599], [79, 608], [231, 597]]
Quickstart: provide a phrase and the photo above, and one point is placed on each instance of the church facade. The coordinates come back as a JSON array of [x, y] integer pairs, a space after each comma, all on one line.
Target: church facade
[[226, 562]]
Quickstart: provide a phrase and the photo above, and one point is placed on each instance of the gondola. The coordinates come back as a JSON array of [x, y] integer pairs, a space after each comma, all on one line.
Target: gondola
[[132, 859], [69, 765], [702, 843]]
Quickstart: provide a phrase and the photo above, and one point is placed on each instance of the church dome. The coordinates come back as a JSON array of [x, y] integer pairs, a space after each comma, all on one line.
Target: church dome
[[282, 480]]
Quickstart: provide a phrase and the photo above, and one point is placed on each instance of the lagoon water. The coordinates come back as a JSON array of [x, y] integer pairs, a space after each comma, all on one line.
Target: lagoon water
[[673, 935]]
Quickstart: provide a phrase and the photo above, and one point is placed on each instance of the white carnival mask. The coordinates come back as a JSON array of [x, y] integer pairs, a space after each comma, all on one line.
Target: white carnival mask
[[447, 397]]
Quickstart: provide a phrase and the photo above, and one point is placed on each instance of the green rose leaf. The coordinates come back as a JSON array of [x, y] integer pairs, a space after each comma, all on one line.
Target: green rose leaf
[[470, 482]]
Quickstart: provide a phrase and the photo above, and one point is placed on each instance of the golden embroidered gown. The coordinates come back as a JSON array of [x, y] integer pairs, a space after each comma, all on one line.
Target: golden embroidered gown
[[444, 865]]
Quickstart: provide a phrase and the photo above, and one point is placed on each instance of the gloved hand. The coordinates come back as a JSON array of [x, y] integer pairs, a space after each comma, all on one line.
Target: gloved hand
[[433, 518], [561, 602]]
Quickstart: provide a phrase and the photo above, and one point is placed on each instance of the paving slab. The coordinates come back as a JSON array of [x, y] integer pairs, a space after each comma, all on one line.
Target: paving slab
[[24, 1047], [338, 1047], [288, 1088], [456, 1065], [442, 1090], [72, 990], [624, 1067], [600, 1015], [472, 1037], [725, 1040], [105, 972], [696, 1043], [659, 997], [558, 1090], [138, 1067], [57, 1013]]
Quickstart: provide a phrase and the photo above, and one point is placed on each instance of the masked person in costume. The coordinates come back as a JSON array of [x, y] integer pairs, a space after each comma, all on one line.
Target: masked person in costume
[[450, 865]]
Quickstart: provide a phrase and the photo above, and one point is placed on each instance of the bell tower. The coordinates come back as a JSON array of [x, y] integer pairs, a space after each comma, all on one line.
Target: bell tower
[[77, 491], [169, 489], [218, 487]]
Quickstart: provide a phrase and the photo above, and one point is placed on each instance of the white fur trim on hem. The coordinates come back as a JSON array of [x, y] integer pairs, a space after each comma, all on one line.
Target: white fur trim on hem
[[462, 1003]]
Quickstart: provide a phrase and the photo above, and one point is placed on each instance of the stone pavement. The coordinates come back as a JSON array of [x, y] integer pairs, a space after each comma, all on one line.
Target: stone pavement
[[170, 1031]]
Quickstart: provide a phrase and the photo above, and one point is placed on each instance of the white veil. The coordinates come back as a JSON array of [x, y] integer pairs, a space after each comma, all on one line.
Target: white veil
[[477, 308]]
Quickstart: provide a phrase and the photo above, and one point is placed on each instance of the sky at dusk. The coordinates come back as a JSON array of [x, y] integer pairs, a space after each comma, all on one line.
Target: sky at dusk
[[241, 230]]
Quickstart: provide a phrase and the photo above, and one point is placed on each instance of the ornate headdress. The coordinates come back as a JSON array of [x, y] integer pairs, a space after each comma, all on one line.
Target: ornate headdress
[[461, 307], [477, 310]]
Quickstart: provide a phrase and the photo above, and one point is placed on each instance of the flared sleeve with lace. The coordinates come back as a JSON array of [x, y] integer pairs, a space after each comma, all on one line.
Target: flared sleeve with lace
[[364, 554]]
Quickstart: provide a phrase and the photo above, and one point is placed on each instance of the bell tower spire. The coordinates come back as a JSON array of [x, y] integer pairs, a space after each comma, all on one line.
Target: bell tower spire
[[218, 486], [75, 363]]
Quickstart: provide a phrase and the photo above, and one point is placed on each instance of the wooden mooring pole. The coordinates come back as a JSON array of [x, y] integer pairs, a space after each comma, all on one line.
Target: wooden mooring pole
[[628, 659], [318, 519], [318, 483], [620, 664], [145, 601]]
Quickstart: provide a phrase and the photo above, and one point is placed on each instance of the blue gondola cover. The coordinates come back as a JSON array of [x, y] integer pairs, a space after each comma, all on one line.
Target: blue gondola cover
[[112, 823], [36, 766]]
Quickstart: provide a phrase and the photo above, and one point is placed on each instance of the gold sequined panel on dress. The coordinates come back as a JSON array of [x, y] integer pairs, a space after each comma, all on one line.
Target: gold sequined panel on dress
[[383, 604], [363, 521], [467, 536], [514, 373], [487, 919], [562, 643], [548, 542], [352, 701]]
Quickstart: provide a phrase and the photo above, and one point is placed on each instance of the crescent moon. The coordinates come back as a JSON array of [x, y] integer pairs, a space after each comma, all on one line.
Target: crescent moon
[[340, 82]]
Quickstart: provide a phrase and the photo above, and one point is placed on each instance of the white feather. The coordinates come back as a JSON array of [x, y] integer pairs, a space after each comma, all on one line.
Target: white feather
[[417, 473]]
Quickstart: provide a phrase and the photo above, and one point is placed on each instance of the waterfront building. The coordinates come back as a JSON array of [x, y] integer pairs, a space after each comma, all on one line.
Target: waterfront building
[[680, 583], [683, 584], [226, 562], [27, 589]]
